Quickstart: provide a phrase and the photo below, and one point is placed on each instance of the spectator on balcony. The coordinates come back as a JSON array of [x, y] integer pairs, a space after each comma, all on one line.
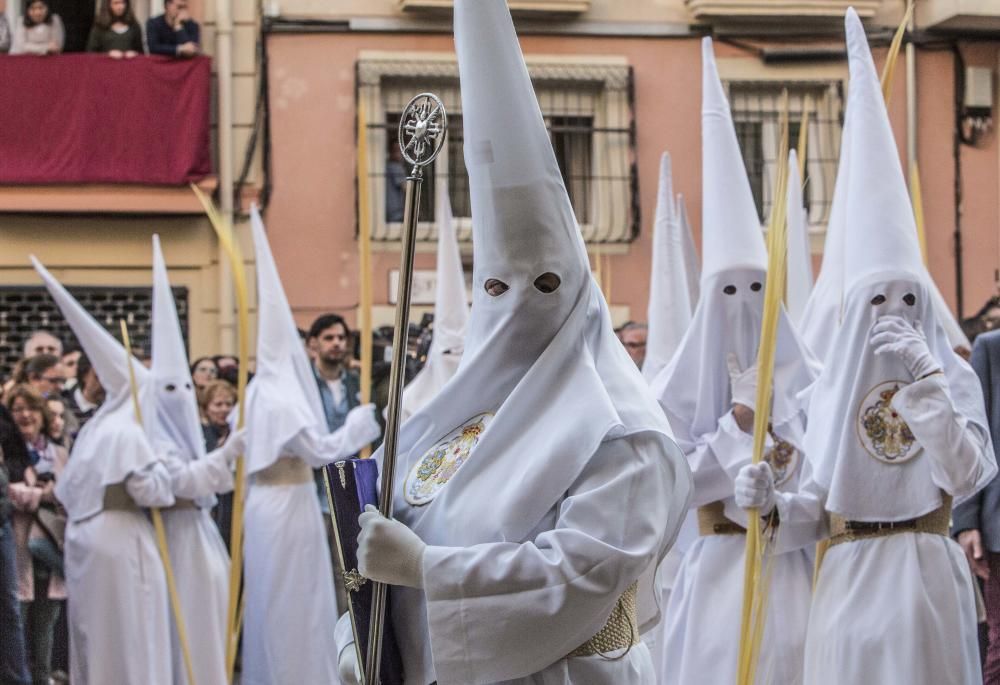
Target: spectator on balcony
[[174, 32], [41, 32], [4, 34], [116, 31]]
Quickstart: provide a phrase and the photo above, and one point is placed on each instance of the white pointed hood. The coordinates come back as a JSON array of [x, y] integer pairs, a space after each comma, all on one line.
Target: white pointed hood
[[692, 265], [670, 301], [283, 398], [112, 445], [547, 364], [451, 312], [800, 275], [174, 420], [694, 388], [883, 274]]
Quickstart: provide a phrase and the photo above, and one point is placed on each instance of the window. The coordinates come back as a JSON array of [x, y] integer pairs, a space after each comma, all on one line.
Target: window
[[587, 108], [756, 108], [24, 309]]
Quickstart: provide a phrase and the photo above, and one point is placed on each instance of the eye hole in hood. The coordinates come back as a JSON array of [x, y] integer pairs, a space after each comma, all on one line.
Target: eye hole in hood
[[548, 282], [495, 287]]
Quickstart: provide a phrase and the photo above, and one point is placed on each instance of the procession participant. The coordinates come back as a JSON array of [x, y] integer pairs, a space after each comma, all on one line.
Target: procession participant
[[673, 295], [708, 392], [540, 489], [897, 429], [197, 552], [451, 312], [116, 586], [291, 610]]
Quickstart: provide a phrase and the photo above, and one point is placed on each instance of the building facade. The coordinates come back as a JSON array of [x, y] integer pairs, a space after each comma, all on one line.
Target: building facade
[[619, 83]]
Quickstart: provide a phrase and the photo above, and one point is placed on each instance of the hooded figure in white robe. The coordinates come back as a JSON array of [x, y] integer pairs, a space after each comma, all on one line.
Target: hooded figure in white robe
[[673, 295], [291, 610], [710, 379], [536, 494], [451, 311], [119, 624], [897, 431], [197, 552]]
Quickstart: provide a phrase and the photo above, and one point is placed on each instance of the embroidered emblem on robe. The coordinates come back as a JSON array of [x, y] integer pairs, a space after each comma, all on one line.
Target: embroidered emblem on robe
[[782, 457], [882, 431], [442, 461]]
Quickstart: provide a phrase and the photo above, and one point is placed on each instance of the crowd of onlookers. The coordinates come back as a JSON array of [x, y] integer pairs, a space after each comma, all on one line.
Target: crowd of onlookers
[[115, 31], [46, 401]]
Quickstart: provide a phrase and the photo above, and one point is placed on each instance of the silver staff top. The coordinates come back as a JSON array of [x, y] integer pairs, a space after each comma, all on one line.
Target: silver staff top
[[423, 127]]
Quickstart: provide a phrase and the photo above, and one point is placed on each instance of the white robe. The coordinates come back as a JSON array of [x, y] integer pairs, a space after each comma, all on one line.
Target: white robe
[[901, 608], [701, 630], [118, 606], [291, 608], [201, 568], [509, 612]]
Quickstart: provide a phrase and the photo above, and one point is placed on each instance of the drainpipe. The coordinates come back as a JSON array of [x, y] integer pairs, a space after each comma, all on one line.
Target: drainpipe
[[224, 77]]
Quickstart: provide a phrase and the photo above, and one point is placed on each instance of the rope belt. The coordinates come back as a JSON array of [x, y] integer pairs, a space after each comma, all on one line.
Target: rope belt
[[620, 632], [116, 498], [712, 521], [285, 471], [936, 522]]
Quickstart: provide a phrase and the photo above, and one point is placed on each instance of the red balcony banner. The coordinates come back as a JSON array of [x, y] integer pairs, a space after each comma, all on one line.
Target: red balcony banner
[[87, 118]]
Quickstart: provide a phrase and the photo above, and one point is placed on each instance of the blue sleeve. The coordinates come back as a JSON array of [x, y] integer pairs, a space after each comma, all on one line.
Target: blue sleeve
[[159, 39], [189, 33]]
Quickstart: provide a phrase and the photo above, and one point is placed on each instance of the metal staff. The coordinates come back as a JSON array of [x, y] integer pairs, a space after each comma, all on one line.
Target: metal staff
[[423, 127]]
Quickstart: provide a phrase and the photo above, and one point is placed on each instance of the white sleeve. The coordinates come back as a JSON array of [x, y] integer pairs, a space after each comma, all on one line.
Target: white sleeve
[[960, 463], [499, 610], [343, 634], [317, 449], [151, 486], [802, 515], [715, 460], [199, 478]]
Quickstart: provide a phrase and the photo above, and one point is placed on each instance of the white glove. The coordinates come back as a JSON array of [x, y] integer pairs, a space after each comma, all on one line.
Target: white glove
[[754, 488], [234, 446], [360, 427], [350, 673], [743, 383], [895, 335], [388, 551]]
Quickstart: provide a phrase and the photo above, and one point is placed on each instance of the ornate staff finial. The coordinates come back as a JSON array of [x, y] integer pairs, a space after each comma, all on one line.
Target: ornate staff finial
[[422, 130]]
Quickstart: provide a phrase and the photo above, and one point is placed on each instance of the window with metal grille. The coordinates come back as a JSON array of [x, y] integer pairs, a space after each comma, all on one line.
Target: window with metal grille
[[756, 108], [587, 108], [25, 309]]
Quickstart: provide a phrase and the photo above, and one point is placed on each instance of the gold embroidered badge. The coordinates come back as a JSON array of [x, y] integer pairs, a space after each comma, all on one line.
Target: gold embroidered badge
[[441, 462], [883, 432], [782, 457]]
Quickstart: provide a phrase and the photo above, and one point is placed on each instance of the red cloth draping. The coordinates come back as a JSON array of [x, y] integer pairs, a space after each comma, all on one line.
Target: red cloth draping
[[87, 118]]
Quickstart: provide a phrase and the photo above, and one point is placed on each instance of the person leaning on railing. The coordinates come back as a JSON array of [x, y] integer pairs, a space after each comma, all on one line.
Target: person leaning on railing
[[116, 31], [174, 32], [41, 32]]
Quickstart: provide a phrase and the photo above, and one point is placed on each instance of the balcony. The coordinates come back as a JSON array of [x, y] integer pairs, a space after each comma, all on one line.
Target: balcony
[[966, 16], [734, 11], [516, 6], [88, 133]]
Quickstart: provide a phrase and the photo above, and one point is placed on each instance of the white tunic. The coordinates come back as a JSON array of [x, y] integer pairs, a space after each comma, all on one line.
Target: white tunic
[[509, 611], [900, 609], [291, 608], [118, 607], [701, 630], [201, 568]]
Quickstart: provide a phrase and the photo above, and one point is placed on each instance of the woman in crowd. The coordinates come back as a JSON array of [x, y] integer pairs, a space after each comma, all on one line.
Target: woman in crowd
[[203, 371], [41, 32], [37, 533], [216, 400], [116, 31]]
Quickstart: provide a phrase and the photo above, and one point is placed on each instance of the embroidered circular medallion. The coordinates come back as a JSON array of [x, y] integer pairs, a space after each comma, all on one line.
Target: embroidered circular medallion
[[782, 457], [882, 431], [433, 470]]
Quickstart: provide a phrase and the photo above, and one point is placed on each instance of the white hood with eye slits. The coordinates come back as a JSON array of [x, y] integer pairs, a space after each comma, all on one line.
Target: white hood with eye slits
[[884, 477], [694, 388]]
